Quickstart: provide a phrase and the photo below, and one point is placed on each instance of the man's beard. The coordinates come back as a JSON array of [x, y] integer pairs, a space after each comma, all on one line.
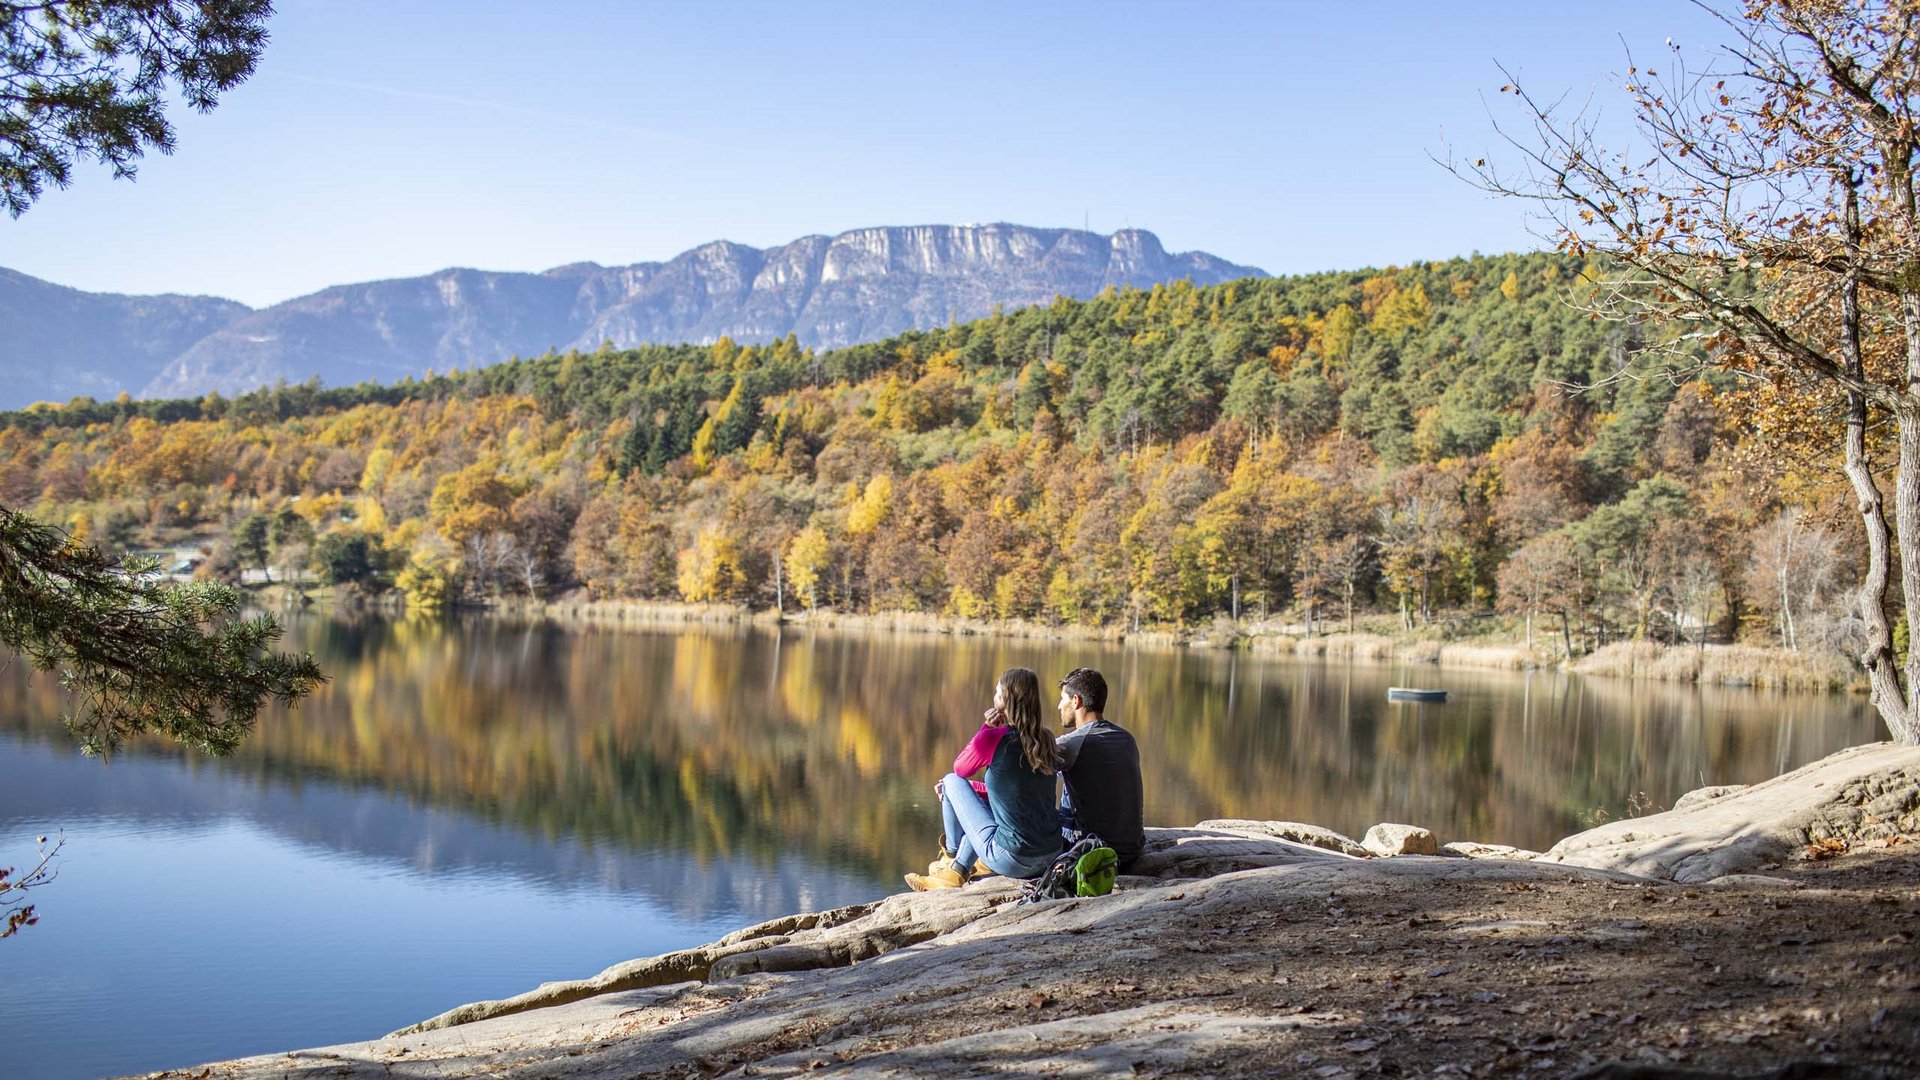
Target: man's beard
[[1066, 719]]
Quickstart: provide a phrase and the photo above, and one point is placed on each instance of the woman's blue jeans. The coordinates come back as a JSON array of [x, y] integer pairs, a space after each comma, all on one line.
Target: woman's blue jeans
[[970, 832]]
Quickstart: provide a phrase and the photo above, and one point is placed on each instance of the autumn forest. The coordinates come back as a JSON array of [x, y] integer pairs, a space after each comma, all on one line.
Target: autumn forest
[[1416, 446]]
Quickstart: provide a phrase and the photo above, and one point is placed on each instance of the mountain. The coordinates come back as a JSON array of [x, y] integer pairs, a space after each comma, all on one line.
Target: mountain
[[61, 343], [826, 291]]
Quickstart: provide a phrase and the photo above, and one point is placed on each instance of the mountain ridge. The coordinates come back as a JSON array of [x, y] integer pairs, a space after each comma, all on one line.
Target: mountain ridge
[[827, 291]]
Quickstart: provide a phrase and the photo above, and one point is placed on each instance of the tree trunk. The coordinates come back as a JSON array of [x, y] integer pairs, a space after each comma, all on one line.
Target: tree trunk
[[1787, 636], [1566, 632], [1236, 599], [1890, 700], [1906, 496], [1529, 628]]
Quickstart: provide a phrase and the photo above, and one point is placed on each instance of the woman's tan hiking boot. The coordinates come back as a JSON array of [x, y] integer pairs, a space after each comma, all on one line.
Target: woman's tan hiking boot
[[945, 877]]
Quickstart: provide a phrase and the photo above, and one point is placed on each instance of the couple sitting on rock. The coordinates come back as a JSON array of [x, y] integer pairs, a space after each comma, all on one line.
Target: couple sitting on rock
[[1008, 821]]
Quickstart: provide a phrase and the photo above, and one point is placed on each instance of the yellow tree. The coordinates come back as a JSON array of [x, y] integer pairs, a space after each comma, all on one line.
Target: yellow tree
[[870, 507], [1402, 311], [1337, 333], [471, 502], [431, 576], [710, 570], [806, 557]]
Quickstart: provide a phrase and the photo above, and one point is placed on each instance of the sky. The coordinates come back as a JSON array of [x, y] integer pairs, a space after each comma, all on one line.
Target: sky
[[388, 139]]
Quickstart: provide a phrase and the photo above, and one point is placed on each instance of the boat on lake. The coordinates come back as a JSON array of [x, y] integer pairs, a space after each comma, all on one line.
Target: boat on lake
[[1409, 693]]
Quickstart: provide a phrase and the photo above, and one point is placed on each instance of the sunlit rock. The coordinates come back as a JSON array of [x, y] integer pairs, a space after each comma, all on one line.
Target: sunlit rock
[[1387, 838], [1858, 795]]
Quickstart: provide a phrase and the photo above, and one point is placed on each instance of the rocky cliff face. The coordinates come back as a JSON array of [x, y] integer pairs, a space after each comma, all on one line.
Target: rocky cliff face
[[827, 291], [58, 343]]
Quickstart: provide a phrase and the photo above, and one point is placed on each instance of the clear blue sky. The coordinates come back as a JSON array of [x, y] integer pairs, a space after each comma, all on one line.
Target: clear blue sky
[[395, 138]]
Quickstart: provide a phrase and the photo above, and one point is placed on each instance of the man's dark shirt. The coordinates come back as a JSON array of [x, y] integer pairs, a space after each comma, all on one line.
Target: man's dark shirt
[[1101, 765]]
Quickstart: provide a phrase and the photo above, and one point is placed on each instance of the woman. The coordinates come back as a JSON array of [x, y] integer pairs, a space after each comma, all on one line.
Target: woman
[[1015, 828]]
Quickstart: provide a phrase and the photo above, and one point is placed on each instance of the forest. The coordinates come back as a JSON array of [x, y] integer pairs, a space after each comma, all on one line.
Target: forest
[[1433, 442]]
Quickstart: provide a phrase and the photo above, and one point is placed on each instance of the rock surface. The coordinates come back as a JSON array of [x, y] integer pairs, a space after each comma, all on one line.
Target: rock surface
[[1309, 962], [1472, 850], [846, 935], [1311, 835], [1858, 795], [1387, 838], [1702, 796]]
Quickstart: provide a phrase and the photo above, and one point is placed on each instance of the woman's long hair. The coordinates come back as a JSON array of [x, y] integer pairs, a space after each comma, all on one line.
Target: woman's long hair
[[1022, 689]]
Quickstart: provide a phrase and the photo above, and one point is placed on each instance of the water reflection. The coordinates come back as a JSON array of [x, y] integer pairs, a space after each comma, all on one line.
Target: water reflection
[[384, 833], [468, 809], [754, 742]]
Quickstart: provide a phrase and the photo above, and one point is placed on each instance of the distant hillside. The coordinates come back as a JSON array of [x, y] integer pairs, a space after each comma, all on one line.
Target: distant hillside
[[61, 343], [828, 292]]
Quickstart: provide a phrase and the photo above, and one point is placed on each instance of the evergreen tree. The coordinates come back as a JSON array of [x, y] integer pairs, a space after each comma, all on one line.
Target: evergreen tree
[[90, 80], [141, 655]]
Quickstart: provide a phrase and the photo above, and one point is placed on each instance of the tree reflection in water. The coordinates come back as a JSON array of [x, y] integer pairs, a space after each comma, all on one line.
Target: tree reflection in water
[[756, 741]]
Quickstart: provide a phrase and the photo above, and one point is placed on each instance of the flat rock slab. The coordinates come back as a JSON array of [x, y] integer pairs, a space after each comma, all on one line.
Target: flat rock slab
[[1857, 795], [1234, 946], [1298, 832], [863, 931], [971, 1000]]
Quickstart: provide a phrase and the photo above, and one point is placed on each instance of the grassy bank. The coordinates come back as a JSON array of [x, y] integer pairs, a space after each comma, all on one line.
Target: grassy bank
[[1721, 665], [1486, 649], [664, 613]]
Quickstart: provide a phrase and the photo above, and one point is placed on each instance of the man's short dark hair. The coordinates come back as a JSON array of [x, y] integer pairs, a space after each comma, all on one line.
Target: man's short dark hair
[[1088, 686]]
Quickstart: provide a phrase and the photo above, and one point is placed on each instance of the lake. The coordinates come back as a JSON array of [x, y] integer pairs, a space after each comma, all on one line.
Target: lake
[[470, 808]]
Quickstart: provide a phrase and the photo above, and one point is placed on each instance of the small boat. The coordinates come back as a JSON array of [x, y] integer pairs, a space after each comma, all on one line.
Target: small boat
[[1408, 693]]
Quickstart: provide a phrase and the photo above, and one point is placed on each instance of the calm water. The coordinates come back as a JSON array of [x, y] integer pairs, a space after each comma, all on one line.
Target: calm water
[[470, 809]]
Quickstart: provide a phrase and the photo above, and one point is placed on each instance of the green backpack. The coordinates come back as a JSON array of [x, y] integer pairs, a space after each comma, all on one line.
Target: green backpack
[[1093, 874]]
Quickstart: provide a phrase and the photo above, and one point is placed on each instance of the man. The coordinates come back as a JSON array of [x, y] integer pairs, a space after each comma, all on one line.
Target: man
[[1101, 764]]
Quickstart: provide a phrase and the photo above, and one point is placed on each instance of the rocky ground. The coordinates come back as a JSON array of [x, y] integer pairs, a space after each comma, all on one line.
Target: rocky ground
[[1786, 949]]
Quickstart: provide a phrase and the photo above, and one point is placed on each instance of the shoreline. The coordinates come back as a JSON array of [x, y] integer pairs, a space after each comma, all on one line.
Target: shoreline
[[1718, 665], [1239, 947]]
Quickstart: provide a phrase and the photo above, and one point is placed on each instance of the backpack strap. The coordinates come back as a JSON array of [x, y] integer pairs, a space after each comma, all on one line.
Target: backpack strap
[[1061, 880]]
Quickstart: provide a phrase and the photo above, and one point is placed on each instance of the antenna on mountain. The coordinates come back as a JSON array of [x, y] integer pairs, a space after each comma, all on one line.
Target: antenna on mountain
[[1086, 220]]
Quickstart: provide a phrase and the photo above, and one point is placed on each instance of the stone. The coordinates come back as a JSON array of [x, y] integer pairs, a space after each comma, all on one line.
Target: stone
[[1470, 849], [1754, 881], [1387, 838]]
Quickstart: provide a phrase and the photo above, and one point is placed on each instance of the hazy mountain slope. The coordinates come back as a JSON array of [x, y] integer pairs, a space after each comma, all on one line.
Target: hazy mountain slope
[[58, 343], [379, 330]]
